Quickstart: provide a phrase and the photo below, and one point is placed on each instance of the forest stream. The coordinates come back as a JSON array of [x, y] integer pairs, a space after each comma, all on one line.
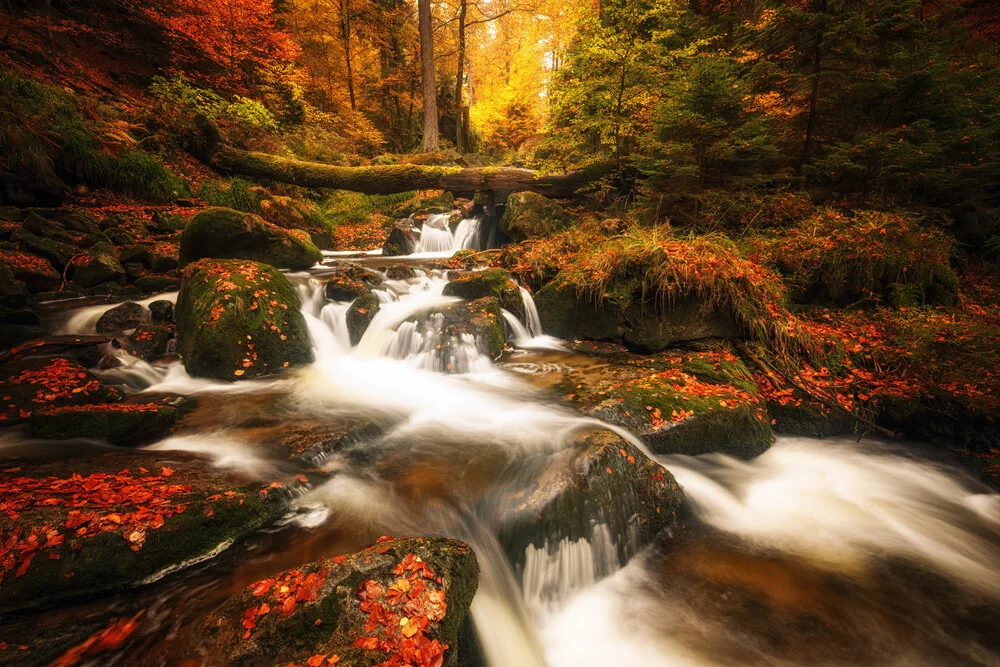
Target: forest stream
[[817, 552]]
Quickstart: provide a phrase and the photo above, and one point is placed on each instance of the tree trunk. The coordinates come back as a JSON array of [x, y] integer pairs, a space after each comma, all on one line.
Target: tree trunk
[[431, 137], [813, 95], [345, 30], [389, 179], [459, 79]]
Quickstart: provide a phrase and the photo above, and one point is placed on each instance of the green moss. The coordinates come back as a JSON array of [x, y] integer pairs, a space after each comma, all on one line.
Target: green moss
[[223, 233], [528, 215], [479, 284], [239, 320], [121, 428], [235, 193]]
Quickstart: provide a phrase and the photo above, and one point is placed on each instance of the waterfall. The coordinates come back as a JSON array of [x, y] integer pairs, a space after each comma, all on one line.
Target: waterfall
[[436, 237], [529, 335], [552, 574]]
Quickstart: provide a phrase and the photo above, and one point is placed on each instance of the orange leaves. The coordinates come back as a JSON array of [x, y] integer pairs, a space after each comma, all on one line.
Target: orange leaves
[[103, 641], [284, 593]]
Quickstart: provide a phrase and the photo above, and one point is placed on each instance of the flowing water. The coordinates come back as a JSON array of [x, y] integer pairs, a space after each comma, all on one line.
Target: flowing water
[[816, 553]]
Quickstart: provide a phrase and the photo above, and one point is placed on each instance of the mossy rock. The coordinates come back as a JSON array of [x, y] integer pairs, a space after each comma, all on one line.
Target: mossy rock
[[360, 315], [47, 228], [13, 292], [402, 240], [642, 327], [161, 262], [798, 415], [238, 319], [132, 254], [100, 265], [37, 273], [478, 284], [125, 316], [353, 606], [114, 544], [532, 216], [93, 238], [33, 384], [602, 480], [78, 220], [154, 284], [57, 253], [342, 288], [400, 272], [223, 233], [150, 341], [121, 424]]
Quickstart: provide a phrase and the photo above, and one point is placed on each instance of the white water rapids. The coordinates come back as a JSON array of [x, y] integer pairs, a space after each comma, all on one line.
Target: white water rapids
[[830, 530]]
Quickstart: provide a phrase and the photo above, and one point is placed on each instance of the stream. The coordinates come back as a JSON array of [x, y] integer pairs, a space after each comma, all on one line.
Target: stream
[[818, 552]]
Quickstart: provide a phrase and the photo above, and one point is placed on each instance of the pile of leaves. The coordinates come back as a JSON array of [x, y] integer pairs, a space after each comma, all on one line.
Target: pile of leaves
[[79, 507], [56, 381], [105, 640]]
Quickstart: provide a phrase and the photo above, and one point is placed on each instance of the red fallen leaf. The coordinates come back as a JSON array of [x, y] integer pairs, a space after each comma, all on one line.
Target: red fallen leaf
[[24, 565], [302, 478], [166, 472], [384, 538], [264, 609], [367, 643], [54, 541], [288, 606], [262, 587], [250, 618], [316, 660], [373, 590]]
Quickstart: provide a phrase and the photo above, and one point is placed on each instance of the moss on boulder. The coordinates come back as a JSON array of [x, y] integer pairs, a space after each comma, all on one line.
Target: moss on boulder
[[27, 385], [149, 341], [532, 216], [224, 233], [238, 319], [100, 265], [641, 326], [125, 316], [402, 240], [117, 526], [368, 608], [121, 424]]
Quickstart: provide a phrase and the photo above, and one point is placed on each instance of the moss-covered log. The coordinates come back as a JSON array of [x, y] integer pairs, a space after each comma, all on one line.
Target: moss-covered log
[[389, 179]]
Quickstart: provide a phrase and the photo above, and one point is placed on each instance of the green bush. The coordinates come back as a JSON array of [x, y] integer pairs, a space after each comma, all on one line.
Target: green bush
[[235, 193], [179, 92]]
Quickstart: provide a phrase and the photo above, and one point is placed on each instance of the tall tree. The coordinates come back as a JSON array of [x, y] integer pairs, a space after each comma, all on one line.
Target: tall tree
[[432, 139]]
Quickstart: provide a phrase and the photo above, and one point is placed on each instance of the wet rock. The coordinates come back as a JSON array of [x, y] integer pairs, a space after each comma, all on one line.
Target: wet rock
[[350, 282], [165, 223], [125, 316], [150, 284], [78, 220], [238, 319], [223, 233], [400, 272], [531, 216], [376, 606], [121, 424], [133, 254], [94, 238], [58, 254], [162, 311], [37, 273], [603, 481], [162, 262], [134, 271], [99, 265], [478, 284], [13, 293], [150, 341], [109, 361], [402, 240], [114, 525], [641, 327], [15, 334], [799, 415], [46, 228], [32, 384], [360, 315]]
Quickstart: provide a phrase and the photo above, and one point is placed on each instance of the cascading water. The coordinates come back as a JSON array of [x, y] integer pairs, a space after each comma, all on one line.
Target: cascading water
[[829, 546], [437, 238], [529, 334]]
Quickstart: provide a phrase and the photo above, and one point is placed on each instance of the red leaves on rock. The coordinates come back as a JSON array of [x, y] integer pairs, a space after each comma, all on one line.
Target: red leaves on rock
[[103, 641], [284, 592]]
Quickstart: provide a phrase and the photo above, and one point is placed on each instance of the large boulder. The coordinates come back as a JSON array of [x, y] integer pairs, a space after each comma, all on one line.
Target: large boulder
[[531, 216], [37, 273], [602, 483], [223, 233], [27, 385], [90, 526], [238, 319], [643, 327], [402, 240], [495, 283], [398, 602]]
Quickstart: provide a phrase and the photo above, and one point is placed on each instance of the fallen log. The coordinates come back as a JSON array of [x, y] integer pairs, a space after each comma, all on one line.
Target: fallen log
[[387, 179], [50, 343]]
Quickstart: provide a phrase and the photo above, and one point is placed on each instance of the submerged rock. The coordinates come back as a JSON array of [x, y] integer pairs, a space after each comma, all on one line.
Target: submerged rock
[[128, 315], [222, 233], [360, 315], [162, 311], [640, 327], [34, 384], [150, 341], [91, 526], [400, 272], [350, 281], [379, 606], [531, 216], [238, 319], [604, 480]]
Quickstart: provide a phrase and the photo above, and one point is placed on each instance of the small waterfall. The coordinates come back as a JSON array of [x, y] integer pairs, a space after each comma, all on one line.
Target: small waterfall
[[436, 236], [84, 320], [529, 335], [531, 319], [554, 573], [423, 346]]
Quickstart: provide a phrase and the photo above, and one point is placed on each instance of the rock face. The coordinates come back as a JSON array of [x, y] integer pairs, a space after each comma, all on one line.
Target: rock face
[[128, 315], [99, 265], [531, 216], [494, 283], [379, 606], [640, 328], [604, 480], [402, 240], [34, 384], [222, 233], [84, 532], [238, 319]]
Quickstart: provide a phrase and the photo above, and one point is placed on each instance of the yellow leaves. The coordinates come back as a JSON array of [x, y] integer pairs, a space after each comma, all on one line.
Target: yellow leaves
[[239, 372]]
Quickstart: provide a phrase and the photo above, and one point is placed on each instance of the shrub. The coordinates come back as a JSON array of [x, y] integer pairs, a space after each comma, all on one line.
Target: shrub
[[235, 193]]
